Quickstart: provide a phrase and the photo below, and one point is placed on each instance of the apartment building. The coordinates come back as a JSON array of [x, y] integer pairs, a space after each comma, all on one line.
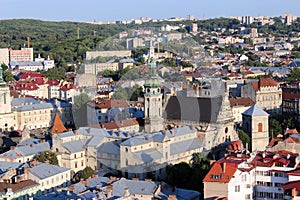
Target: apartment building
[[260, 175], [265, 92]]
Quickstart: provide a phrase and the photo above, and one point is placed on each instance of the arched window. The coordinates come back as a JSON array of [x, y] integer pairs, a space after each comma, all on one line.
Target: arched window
[[226, 130], [259, 127]]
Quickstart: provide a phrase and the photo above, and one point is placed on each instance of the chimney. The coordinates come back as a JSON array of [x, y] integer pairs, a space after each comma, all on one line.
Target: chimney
[[12, 147], [165, 132], [173, 132], [113, 178], [75, 132], [119, 133], [148, 180], [135, 179], [147, 137]]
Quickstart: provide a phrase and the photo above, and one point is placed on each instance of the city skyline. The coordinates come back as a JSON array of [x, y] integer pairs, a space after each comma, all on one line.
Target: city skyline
[[122, 10]]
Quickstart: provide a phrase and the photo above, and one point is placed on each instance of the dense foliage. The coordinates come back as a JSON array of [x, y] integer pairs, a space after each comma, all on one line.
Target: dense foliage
[[47, 156]]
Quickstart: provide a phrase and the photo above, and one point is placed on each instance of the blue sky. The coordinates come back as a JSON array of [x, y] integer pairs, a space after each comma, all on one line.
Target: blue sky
[[110, 10]]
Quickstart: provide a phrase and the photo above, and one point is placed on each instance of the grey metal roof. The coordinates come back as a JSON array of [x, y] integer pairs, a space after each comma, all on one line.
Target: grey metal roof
[[28, 104], [95, 140], [135, 187], [33, 149], [65, 134], [148, 155], [29, 150], [29, 141], [79, 187], [74, 146], [109, 147], [43, 170], [134, 141], [6, 165], [255, 110], [196, 109], [22, 101], [98, 181], [186, 145]]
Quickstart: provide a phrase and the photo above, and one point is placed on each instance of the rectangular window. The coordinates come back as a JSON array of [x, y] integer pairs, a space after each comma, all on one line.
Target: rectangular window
[[237, 188]]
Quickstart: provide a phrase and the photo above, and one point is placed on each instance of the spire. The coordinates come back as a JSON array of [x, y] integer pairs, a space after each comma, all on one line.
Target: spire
[[58, 126]]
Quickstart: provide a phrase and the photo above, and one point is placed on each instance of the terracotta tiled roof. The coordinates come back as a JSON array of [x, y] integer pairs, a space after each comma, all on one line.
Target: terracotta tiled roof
[[268, 159], [286, 96], [120, 124], [291, 131], [267, 82], [236, 146], [241, 102], [67, 87], [58, 126], [221, 172], [53, 82], [31, 75], [274, 142], [108, 103], [255, 86], [292, 185], [16, 186]]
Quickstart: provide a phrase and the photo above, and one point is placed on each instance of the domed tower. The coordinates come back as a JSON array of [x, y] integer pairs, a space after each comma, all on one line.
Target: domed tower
[[153, 101]]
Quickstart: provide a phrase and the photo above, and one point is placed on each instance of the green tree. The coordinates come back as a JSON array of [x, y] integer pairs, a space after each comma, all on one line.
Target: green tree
[[87, 172], [4, 67], [244, 138], [294, 74], [274, 127], [8, 76], [47, 156]]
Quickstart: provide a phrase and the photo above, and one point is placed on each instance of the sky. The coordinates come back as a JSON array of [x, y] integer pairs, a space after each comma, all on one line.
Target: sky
[[112, 10]]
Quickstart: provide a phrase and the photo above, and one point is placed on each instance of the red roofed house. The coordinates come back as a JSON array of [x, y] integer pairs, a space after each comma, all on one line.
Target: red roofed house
[[260, 175], [106, 110], [291, 102], [265, 92], [130, 125], [238, 106], [229, 178]]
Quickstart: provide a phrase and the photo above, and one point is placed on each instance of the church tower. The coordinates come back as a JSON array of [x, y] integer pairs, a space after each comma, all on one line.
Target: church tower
[[153, 101], [5, 104], [256, 125]]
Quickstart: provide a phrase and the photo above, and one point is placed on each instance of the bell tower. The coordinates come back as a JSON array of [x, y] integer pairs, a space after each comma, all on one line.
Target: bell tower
[[153, 101]]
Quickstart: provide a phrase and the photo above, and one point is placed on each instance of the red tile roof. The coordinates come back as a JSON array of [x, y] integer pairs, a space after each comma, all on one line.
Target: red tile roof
[[238, 101], [30, 75], [17, 186], [255, 86], [108, 103], [120, 124], [286, 96], [292, 185], [221, 171], [236, 146], [267, 82], [291, 131], [274, 142]]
